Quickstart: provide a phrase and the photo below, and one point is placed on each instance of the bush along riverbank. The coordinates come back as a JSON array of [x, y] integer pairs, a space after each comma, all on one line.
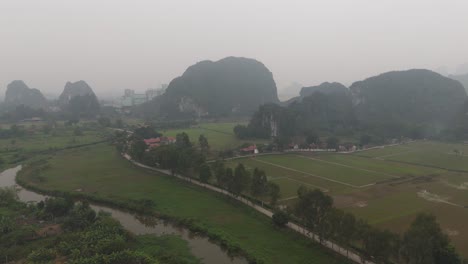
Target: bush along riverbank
[[57, 230]]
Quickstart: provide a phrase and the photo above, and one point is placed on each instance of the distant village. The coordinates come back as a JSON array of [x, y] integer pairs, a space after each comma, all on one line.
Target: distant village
[[131, 98]]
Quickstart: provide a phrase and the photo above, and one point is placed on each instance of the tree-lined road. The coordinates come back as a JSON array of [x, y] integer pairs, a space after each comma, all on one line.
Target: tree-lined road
[[300, 229]]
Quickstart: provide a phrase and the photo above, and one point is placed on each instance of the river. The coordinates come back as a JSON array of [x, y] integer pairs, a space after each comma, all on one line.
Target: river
[[201, 247]]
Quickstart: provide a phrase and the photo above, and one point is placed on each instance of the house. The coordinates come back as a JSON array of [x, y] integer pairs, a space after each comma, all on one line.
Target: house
[[252, 149], [156, 142]]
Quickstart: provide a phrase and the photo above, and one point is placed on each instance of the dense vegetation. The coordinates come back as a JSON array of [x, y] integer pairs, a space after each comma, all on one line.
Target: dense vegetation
[[415, 104], [58, 229], [423, 242], [235, 226]]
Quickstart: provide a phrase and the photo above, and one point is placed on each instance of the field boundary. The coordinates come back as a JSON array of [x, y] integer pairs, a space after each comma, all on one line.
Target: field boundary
[[291, 179], [348, 166], [315, 175]]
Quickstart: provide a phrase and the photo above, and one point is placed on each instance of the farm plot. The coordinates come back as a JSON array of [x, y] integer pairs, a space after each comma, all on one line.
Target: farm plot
[[220, 135], [426, 153]]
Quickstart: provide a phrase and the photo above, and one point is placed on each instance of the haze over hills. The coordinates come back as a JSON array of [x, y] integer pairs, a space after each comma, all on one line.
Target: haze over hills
[[78, 98], [407, 96], [229, 86], [391, 104], [324, 88], [79, 88], [462, 78], [18, 93], [289, 91]]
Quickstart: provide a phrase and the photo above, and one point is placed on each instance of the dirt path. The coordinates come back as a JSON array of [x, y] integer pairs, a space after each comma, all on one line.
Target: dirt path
[[303, 231]]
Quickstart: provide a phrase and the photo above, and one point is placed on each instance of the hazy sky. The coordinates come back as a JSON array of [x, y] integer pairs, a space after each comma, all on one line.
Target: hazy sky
[[118, 44]]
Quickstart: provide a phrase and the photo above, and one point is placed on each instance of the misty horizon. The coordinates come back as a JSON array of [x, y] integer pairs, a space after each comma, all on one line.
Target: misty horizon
[[118, 45]]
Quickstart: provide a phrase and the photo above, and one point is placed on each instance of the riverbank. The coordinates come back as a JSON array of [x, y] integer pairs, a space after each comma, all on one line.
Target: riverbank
[[99, 172]]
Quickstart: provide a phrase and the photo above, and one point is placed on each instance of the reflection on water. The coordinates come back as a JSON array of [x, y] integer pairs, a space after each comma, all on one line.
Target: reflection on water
[[201, 247]]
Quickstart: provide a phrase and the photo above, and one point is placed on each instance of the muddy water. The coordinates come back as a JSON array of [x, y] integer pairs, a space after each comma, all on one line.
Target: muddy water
[[201, 247]]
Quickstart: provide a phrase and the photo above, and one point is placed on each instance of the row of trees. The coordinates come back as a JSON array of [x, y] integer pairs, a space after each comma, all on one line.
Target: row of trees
[[424, 242], [184, 157], [239, 180]]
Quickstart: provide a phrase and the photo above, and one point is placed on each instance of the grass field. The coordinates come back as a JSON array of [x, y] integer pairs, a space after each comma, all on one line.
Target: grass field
[[100, 171], [427, 153], [220, 135], [386, 186]]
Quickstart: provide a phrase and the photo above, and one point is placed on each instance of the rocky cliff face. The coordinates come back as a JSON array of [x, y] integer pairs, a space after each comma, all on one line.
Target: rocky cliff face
[[18, 93], [231, 85], [80, 88]]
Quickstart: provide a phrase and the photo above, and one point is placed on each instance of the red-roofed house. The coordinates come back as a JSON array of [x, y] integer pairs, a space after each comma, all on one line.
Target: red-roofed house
[[250, 149], [156, 142], [150, 141]]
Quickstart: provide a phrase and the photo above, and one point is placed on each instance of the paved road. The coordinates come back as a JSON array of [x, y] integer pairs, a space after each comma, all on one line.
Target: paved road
[[301, 230]]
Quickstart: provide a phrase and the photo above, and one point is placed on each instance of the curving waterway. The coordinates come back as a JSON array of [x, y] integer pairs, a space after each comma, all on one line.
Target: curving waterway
[[201, 247]]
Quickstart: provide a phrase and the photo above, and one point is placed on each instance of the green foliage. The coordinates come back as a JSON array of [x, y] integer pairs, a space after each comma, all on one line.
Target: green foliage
[[333, 142], [168, 249], [7, 225], [56, 207], [242, 132], [203, 143], [329, 113], [241, 180], [8, 195], [80, 217], [280, 218], [41, 255], [313, 208], [424, 242], [205, 173], [183, 140], [146, 132], [137, 149], [259, 186], [274, 192]]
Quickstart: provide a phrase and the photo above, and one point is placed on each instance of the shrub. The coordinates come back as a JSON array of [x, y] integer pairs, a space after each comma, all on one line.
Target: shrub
[[280, 218]]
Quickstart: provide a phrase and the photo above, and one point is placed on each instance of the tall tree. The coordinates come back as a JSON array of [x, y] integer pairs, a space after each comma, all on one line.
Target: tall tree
[[259, 186], [347, 229], [424, 242], [137, 149], [241, 180], [274, 192], [203, 143], [205, 173], [380, 245], [227, 181], [183, 140], [312, 208], [219, 172]]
